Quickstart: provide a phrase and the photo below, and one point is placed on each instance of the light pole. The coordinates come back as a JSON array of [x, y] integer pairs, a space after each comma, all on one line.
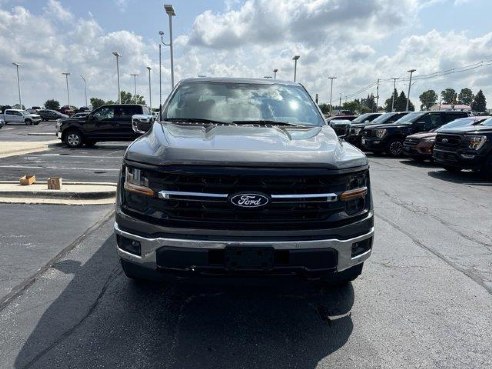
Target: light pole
[[340, 101], [409, 85], [393, 94], [331, 90], [118, 55], [171, 13], [150, 90], [17, 65], [275, 73], [295, 58], [134, 75], [66, 74], [85, 88], [160, 73]]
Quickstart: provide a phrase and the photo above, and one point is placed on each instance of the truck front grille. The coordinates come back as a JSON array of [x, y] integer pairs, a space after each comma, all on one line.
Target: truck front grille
[[448, 141], [282, 212]]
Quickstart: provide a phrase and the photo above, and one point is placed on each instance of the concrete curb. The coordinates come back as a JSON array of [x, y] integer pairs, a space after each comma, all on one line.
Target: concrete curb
[[72, 193]]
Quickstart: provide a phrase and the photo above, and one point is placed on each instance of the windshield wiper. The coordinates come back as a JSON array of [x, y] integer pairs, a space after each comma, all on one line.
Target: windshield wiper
[[265, 122], [194, 120]]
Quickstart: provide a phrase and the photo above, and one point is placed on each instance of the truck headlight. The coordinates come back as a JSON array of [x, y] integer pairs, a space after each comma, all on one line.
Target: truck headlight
[[476, 142], [136, 182], [380, 133], [356, 131], [429, 139]]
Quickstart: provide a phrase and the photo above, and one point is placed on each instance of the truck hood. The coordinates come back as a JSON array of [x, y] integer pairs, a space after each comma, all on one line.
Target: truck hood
[[389, 126], [230, 145], [423, 135], [468, 129]]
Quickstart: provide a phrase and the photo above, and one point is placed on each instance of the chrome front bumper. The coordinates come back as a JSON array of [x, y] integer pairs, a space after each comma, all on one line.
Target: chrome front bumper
[[150, 245]]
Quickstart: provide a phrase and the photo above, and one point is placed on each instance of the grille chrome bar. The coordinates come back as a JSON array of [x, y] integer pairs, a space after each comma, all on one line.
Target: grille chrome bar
[[166, 195]]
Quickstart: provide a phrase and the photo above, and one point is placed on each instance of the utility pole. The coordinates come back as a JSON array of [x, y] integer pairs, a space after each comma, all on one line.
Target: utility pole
[[17, 65], [295, 58], [331, 90], [150, 90], [275, 73], [134, 75], [377, 94], [393, 94], [171, 13], [118, 55], [85, 88], [409, 85], [340, 101], [66, 74]]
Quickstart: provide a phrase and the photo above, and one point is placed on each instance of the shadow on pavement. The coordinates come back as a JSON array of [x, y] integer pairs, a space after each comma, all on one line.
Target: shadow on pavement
[[102, 319], [463, 177], [416, 163]]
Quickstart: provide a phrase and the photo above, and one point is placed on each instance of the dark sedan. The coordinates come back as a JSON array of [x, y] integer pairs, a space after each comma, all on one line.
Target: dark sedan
[[48, 114]]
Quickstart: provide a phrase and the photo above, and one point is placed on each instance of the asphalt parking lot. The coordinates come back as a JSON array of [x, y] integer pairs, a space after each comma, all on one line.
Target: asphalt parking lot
[[423, 300]]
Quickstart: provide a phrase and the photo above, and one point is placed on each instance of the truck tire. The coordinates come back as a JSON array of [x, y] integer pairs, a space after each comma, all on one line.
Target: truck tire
[[139, 274], [344, 277], [452, 169], [487, 167], [28, 122], [395, 147], [73, 139]]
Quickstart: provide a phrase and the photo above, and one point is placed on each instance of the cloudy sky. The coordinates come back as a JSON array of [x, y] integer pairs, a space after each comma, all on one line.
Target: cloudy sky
[[449, 42]]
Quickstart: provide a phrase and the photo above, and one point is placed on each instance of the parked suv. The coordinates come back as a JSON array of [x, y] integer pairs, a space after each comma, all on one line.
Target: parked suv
[[107, 123], [354, 135], [48, 114], [389, 137], [420, 146], [243, 177], [465, 148]]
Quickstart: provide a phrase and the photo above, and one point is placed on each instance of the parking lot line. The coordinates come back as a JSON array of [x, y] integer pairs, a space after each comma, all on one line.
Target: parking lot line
[[79, 156], [64, 168]]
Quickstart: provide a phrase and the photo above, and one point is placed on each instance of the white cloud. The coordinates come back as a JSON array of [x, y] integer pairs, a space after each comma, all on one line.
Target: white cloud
[[55, 9]]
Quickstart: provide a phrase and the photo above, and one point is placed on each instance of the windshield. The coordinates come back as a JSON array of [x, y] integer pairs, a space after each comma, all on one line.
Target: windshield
[[487, 122], [228, 102], [382, 118], [410, 117], [461, 122], [361, 118]]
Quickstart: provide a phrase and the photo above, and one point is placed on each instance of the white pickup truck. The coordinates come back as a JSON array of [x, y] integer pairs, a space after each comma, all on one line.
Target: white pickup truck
[[20, 116]]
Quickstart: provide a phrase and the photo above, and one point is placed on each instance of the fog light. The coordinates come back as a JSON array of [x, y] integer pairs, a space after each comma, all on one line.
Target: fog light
[[131, 246], [376, 141], [358, 248], [468, 156]]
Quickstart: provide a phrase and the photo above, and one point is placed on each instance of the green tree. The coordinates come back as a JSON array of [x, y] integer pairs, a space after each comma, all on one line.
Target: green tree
[[97, 102], [401, 103], [428, 98], [128, 98], [479, 103], [448, 95], [369, 103], [389, 102], [465, 96], [325, 108], [52, 104], [353, 106]]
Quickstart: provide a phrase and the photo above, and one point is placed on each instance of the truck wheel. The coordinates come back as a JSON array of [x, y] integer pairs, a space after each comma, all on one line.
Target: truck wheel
[[395, 147], [487, 167], [28, 122], [73, 139], [452, 169], [344, 277], [137, 273]]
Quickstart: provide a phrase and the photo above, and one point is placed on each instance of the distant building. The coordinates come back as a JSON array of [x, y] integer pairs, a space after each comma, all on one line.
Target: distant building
[[458, 107]]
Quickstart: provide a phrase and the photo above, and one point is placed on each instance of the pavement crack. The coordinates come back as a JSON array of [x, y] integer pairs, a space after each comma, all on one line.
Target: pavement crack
[[112, 276], [421, 210], [470, 274]]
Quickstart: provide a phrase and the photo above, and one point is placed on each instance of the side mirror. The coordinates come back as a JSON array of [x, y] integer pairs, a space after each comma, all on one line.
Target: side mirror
[[141, 123]]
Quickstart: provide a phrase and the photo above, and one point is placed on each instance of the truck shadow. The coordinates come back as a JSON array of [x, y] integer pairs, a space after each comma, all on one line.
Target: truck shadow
[[102, 319], [463, 177]]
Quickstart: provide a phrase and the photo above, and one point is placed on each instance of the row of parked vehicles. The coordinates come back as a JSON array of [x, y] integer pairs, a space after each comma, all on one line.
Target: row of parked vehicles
[[453, 139]]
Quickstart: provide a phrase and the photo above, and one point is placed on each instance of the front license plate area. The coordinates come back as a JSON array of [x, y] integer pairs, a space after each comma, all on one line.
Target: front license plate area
[[248, 258]]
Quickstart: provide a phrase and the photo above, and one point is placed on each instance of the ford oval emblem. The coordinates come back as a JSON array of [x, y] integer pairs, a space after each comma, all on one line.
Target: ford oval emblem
[[445, 140], [249, 200]]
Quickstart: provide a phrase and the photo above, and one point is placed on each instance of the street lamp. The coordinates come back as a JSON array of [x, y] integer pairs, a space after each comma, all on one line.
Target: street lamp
[[170, 12], [409, 85], [295, 58], [275, 73], [85, 88], [134, 75], [118, 55], [331, 91], [66, 74], [150, 90], [17, 65]]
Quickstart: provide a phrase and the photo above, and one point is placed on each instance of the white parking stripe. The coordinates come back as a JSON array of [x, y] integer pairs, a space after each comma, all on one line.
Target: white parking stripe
[[79, 156], [62, 168]]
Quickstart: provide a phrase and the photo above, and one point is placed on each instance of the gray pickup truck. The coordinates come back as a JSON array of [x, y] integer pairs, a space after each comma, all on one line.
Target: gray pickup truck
[[243, 177]]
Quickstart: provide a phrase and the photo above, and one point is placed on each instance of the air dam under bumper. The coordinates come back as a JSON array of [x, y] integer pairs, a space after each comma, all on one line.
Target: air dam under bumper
[[153, 249]]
